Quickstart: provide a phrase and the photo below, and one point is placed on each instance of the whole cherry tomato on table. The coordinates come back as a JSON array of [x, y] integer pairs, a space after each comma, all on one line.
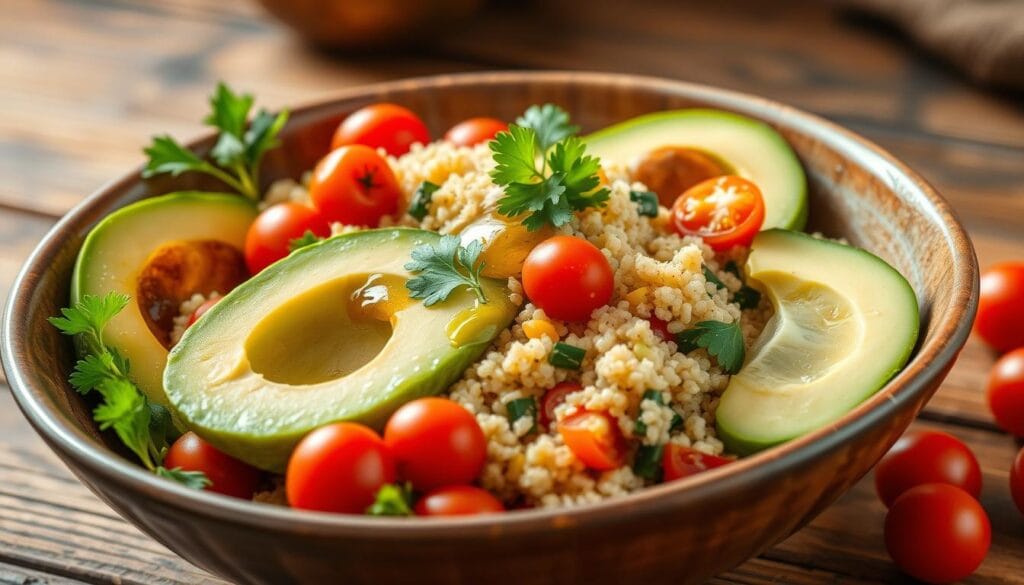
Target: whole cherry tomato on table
[[921, 457], [725, 211], [355, 186], [568, 277], [1000, 320], [594, 439], [1006, 392], [474, 131], [458, 500], [386, 126], [270, 236], [227, 475]]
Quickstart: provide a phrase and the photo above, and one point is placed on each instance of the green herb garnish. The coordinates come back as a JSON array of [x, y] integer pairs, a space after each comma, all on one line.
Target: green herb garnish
[[392, 500], [640, 428], [521, 407], [239, 148], [444, 267], [723, 341], [747, 297], [550, 124], [567, 357], [196, 480], [421, 200], [141, 425], [307, 239], [712, 277], [646, 202], [647, 462]]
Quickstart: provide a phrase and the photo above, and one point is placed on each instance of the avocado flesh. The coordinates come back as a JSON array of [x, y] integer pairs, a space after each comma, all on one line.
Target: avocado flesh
[[327, 334], [753, 149], [117, 250], [845, 322]]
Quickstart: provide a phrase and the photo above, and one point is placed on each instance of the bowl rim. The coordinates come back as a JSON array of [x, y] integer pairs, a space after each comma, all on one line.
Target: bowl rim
[[930, 360]]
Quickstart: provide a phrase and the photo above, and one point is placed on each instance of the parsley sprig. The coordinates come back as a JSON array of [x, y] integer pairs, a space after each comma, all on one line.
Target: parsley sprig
[[444, 267], [141, 425], [239, 148], [723, 341], [545, 170]]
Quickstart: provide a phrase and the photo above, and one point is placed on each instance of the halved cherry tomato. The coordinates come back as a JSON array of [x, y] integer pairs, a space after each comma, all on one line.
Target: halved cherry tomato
[[458, 500], [227, 475], [725, 211], [269, 237], [1006, 392], [594, 439], [355, 186], [338, 468], [386, 126], [921, 457], [553, 397], [201, 310], [1017, 481], [474, 131], [1000, 319], [660, 328], [679, 462], [568, 277]]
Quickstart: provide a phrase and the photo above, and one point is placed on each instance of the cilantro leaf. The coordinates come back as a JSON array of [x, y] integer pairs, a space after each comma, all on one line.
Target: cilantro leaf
[[262, 135], [228, 110], [196, 480], [515, 153], [392, 500], [723, 341], [747, 297], [167, 156], [549, 122], [90, 372], [421, 200], [579, 174], [124, 408], [444, 267], [712, 277], [307, 239]]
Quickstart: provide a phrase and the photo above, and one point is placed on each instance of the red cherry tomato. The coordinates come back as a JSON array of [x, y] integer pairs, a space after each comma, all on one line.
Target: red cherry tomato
[[937, 533], [553, 397], [594, 439], [568, 277], [355, 186], [725, 211], [386, 126], [1000, 319], [458, 500], [660, 328], [474, 131], [201, 310], [921, 457], [338, 468], [1017, 481], [436, 442], [227, 475], [1006, 392], [269, 237], [679, 462]]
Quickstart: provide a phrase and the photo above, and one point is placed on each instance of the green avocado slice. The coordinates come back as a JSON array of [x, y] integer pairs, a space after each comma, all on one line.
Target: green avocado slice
[[327, 334], [749, 148], [845, 322]]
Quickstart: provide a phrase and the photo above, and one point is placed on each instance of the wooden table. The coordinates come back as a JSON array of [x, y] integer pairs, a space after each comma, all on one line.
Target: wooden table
[[84, 83]]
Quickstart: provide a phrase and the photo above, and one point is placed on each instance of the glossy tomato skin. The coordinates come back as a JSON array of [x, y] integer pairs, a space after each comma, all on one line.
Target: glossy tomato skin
[[937, 533], [227, 475], [678, 462], [568, 278], [272, 232], [386, 126], [458, 500], [338, 468], [1000, 320], [355, 186], [474, 131], [694, 212], [921, 457], [201, 310], [553, 398], [594, 438], [436, 442], [1017, 481], [660, 328], [1006, 392]]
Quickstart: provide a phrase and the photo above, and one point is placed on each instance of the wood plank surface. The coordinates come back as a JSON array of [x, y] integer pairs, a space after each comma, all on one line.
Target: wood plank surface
[[84, 83]]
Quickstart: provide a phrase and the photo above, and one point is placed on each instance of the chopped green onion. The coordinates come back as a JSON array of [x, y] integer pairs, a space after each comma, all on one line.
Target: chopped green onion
[[567, 357], [712, 277], [646, 202], [421, 200], [647, 463], [677, 422], [521, 407], [640, 428]]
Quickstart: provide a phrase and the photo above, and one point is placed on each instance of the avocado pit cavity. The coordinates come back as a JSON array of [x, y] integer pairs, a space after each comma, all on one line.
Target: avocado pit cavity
[[671, 170]]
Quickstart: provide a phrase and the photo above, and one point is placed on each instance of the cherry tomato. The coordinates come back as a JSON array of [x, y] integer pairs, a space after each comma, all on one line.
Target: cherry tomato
[[338, 468], [1000, 319], [227, 475], [660, 328], [269, 237], [725, 211], [1006, 392], [201, 310], [568, 277], [436, 442], [921, 457], [474, 131], [386, 126], [937, 533], [553, 397], [458, 500], [679, 462], [594, 439], [355, 186], [1017, 481]]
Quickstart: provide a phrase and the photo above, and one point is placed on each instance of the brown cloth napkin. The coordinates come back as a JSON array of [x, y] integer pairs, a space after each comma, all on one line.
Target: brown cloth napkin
[[984, 38]]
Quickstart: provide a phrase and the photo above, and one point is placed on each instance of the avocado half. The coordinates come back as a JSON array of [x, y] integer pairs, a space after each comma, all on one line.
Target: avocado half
[[845, 322], [180, 243], [752, 150], [327, 334]]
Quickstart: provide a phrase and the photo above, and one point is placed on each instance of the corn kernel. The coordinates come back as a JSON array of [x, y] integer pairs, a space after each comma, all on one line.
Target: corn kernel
[[537, 328]]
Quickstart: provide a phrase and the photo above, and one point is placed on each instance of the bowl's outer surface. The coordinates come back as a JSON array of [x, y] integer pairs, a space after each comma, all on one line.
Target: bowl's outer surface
[[680, 532]]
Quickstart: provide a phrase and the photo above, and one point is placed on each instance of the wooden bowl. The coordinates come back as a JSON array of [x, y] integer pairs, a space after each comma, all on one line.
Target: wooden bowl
[[679, 532]]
